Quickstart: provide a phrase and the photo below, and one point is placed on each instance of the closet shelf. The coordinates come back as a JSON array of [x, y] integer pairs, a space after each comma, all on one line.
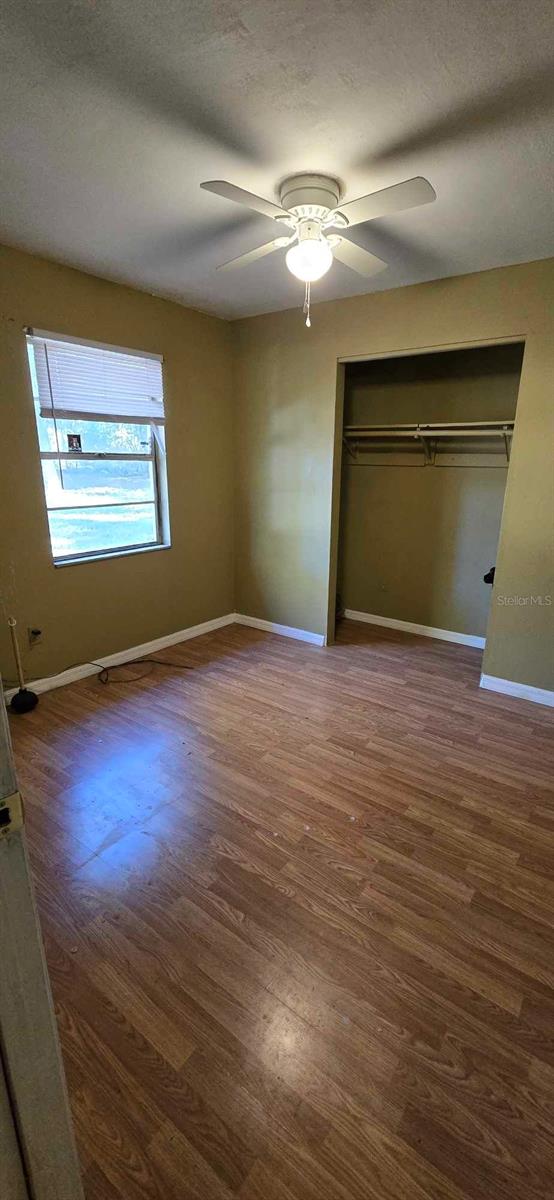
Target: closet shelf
[[430, 437]]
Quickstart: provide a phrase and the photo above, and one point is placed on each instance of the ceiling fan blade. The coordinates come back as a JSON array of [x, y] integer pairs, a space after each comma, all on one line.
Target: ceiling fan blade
[[220, 187], [358, 259], [400, 196], [252, 255]]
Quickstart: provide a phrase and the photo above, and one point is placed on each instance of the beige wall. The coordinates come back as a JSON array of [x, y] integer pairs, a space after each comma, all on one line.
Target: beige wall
[[415, 543], [94, 608], [415, 540], [287, 423], [457, 385]]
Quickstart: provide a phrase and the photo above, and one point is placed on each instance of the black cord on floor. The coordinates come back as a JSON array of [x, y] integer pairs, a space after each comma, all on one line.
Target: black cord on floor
[[105, 672]]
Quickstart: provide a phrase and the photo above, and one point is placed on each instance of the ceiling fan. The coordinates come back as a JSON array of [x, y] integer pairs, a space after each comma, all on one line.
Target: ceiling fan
[[310, 210]]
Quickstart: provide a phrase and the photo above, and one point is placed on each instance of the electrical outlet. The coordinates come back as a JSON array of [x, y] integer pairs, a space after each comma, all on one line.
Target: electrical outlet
[[34, 635]]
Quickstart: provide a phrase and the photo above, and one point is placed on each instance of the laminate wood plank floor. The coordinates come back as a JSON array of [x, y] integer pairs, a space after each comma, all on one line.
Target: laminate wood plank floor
[[298, 908]]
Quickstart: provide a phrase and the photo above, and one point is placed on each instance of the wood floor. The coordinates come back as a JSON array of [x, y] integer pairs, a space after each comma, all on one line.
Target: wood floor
[[298, 907]]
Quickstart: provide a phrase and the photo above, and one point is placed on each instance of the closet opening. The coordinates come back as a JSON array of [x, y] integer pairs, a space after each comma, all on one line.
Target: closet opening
[[426, 443]]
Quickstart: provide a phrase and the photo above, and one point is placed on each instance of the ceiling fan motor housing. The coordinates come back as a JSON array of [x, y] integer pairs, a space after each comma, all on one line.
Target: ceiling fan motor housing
[[310, 196]]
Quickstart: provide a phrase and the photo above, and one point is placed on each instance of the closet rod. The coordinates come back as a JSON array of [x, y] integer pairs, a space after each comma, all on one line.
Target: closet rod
[[384, 434], [444, 429], [428, 434]]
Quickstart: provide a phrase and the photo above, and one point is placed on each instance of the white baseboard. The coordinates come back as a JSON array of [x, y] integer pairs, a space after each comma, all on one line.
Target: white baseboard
[[123, 656], [444, 635], [301, 635], [523, 691]]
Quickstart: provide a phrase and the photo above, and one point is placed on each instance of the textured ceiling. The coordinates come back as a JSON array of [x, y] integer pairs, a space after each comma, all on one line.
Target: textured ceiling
[[114, 111]]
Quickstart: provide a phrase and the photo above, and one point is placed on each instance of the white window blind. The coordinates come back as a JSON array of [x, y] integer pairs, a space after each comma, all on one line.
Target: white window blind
[[90, 382]]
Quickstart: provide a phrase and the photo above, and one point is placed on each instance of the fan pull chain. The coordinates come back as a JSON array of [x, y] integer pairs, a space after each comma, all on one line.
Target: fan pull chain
[[306, 309]]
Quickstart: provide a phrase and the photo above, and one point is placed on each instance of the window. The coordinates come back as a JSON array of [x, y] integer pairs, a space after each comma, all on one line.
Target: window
[[100, 422]]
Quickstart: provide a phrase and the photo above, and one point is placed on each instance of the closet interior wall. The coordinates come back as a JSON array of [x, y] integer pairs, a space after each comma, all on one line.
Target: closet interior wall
[[415, 537]]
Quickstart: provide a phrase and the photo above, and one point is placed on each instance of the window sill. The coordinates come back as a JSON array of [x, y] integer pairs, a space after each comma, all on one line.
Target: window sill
[[106, 554]]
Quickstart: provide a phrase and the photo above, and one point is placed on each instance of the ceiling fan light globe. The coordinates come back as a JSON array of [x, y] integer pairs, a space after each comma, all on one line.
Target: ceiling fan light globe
[[309, 260]]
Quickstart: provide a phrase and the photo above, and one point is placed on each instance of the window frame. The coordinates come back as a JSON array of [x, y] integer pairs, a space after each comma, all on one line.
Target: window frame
[[156, 456]]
